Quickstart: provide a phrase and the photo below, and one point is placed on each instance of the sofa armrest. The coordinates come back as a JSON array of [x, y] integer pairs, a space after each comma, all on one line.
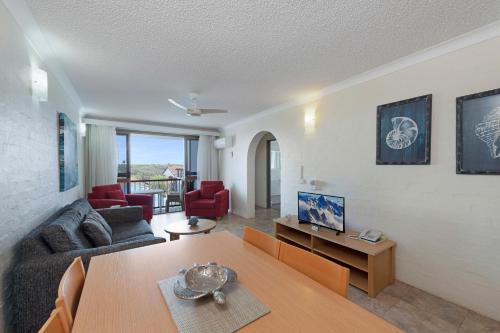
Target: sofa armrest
[[139, 199], [106, 203], [121, 214]]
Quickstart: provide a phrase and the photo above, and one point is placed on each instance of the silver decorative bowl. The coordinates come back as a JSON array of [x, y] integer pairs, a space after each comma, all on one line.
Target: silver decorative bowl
[[204, 280]]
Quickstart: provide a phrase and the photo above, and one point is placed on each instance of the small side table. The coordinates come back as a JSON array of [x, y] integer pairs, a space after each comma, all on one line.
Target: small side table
[[175, 229]]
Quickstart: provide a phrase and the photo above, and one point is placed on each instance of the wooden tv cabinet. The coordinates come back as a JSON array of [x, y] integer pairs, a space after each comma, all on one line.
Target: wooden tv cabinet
[[371, 265]]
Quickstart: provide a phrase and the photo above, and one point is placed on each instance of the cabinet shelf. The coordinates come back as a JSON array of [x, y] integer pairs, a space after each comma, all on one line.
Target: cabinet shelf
[[297, 237], [371, 266], [359, 279], [347, 256]]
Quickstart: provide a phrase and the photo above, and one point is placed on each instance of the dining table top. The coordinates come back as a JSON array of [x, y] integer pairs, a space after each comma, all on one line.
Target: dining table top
[[121, 291]]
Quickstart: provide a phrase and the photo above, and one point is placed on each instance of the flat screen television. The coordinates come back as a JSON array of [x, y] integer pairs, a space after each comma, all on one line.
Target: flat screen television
[[323, 210]]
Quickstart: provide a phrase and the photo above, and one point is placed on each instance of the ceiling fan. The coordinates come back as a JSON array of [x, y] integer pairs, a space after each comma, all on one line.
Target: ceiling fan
[[194, 110]]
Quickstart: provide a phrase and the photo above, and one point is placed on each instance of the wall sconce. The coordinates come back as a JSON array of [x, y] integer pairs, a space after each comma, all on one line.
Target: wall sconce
[[310, 120], [39, 84]]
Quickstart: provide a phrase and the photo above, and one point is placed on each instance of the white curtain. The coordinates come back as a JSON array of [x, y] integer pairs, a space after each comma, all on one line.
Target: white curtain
[[101, 157], [208, 159]]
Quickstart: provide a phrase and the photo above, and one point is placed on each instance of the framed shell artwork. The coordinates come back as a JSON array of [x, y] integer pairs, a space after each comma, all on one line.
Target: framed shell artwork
[[404, 132]]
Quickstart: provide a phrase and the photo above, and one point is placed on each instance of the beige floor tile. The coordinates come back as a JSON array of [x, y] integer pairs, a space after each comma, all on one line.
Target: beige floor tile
[[475, 323], [439, 307], [413, 320]]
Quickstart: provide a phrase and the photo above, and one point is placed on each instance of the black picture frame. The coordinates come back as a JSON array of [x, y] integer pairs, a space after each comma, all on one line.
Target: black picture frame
[[478, 121], [418, 112]]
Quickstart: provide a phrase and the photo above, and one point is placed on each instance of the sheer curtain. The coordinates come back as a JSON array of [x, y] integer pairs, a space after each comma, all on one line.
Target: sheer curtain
[[208, 159], [101, 160]]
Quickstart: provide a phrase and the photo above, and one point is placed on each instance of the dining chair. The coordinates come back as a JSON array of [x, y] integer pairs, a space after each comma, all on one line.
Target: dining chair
[[55, 323], [263, 241], [70, 290], [326, 272]]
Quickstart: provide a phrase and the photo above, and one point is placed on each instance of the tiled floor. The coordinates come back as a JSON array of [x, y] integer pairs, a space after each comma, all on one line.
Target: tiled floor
[[412, 309]]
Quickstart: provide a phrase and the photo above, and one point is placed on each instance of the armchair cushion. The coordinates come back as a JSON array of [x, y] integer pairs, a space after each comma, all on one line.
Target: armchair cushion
[[116, 194], [208, 191], [139, 199], [203, 203], [106, 203], [96, 232]]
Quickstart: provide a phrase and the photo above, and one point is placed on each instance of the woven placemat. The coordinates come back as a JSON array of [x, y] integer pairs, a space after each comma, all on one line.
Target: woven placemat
[[204, 315]]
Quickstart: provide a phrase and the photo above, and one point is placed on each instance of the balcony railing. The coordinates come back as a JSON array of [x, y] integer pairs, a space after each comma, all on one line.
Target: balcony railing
[[168, 193]]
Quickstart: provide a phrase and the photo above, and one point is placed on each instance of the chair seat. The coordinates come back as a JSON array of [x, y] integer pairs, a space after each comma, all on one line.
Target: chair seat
[[203, 203]]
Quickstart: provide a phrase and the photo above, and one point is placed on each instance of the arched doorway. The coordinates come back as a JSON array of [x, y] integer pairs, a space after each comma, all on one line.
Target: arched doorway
[[264, 175]]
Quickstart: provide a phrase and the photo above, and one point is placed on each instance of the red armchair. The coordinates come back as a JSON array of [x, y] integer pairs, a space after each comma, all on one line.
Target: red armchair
[[211, 200], [105, 196]]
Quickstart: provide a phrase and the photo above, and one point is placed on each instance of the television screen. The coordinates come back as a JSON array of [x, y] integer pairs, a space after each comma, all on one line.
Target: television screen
[[323, 210]]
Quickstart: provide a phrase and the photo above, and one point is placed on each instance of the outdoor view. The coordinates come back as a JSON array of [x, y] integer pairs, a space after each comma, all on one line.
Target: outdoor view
[[151, 157], [157, 164]]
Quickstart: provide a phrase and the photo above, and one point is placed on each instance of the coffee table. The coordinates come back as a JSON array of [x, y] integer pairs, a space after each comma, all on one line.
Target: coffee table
[[175, 229]]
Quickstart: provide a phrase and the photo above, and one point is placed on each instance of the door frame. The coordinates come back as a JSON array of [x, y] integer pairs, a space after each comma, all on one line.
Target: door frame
[[268, 173]]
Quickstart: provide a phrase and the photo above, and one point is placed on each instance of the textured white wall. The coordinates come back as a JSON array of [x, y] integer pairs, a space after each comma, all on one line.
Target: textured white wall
[[29, 173], [446, 225]]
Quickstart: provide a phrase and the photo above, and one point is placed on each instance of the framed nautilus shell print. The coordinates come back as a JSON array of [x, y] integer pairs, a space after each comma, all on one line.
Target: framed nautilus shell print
[[478, 133], [404, 131]]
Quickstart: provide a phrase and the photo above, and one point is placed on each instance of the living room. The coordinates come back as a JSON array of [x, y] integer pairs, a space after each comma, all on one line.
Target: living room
[[217, 133]]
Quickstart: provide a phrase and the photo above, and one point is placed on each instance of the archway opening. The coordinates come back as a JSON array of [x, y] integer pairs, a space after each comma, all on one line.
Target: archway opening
[[264, 176]]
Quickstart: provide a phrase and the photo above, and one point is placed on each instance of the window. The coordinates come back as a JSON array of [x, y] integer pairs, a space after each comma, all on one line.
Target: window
[[123, 160], [145, 156], [191, 156]]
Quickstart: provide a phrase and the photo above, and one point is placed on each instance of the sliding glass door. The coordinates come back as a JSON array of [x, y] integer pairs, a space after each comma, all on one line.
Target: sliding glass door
[[160, 165]]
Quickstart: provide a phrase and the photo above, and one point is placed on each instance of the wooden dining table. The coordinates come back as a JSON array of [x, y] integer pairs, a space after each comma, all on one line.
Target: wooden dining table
[[121, 292]]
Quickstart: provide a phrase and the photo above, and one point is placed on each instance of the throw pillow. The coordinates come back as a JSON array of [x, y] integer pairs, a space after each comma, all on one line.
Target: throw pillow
[[64, 233], [96, 232], [117, 195], [95, 216], [208, 191]]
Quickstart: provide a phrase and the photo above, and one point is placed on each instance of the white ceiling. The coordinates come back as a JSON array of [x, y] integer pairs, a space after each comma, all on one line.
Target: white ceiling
[[126, 58]]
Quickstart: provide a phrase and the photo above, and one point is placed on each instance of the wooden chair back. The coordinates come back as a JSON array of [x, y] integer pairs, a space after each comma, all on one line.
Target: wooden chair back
[[263, 241], [70, 289], [326, 272], [55, 323]]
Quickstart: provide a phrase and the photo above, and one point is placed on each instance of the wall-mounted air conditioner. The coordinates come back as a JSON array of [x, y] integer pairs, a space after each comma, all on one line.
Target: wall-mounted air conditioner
[[226, 142]]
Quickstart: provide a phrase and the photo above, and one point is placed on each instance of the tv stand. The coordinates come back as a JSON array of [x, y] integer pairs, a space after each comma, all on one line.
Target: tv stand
[[371, 266]]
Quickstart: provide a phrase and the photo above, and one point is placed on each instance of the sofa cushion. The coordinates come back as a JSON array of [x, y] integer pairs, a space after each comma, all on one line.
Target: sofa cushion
[[82, 206], [208, 191], [117, 195], [203, 204], [96, 232], [95, 216], [136, 239], [124, 231], [65, 232]]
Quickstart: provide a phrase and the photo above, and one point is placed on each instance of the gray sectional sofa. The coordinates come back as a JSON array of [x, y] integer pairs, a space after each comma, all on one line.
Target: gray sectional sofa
[[38, 269]]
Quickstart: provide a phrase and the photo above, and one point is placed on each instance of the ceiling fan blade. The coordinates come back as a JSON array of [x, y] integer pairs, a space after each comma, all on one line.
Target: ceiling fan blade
[[205, 111], [177, 104]]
